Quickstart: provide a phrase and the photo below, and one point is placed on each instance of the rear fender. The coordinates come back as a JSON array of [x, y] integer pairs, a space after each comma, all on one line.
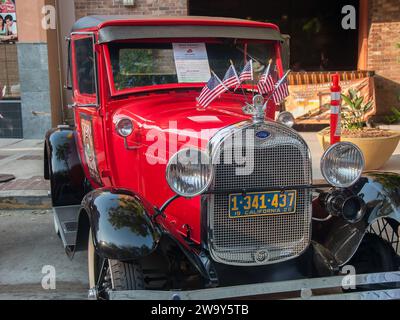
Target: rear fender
[[63, 168]]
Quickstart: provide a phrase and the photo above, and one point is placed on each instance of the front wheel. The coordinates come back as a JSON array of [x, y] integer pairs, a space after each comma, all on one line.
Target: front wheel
[[378, 253], [107, 274]]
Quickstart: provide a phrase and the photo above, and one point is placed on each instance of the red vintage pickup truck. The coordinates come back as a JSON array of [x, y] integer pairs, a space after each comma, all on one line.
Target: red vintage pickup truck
[[166, 195]]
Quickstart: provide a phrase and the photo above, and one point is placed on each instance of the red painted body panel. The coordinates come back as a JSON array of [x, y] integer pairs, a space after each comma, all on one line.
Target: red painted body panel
[[170, 113]]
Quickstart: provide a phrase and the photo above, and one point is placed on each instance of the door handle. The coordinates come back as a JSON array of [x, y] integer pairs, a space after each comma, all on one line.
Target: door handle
[[76, 105]]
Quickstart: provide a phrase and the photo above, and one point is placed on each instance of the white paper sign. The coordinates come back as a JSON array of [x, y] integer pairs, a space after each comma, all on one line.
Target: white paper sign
[[191, 62]]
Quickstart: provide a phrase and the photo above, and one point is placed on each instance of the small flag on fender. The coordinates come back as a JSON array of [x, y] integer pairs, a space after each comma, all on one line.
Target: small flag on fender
[[211, 91], [231, 78], [247, 72], [281, 89], [266, 84]]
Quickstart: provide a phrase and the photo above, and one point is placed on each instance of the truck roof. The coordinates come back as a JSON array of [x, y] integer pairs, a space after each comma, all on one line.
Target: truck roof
[[99, 21], [113, 28]]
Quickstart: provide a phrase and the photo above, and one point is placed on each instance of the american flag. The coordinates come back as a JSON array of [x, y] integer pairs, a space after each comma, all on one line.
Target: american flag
[[212, 90], [281, 90], [247, 73], [231, 78], [266, 84]]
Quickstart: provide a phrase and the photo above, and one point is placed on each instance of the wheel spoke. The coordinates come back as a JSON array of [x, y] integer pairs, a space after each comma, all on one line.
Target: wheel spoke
[[385, 229], [379, 227], [102, 274], [392, 241]]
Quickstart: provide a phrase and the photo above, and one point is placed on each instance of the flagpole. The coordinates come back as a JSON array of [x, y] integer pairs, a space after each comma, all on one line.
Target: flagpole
[[267, 72], [254, 79], [240, 84]]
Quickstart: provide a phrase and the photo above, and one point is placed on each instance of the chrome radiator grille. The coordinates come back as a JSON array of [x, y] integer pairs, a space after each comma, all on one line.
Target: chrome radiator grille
[[281, 160]]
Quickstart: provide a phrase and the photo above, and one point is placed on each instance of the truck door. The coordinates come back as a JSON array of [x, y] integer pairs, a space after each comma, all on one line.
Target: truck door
[[88, 108]]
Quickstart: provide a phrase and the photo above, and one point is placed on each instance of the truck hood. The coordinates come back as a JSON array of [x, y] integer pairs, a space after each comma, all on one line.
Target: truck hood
[[165, 123], [177, 116]]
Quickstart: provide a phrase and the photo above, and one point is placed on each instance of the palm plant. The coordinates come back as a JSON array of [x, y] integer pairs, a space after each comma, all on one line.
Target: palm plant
[[354, 110], [394, 117]]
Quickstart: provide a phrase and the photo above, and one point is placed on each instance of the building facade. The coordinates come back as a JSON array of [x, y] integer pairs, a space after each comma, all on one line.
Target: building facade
[[383, 54], [318, 42]]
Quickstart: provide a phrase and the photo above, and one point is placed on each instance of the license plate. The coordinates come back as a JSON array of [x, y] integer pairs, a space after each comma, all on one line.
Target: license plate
[[262, 204]]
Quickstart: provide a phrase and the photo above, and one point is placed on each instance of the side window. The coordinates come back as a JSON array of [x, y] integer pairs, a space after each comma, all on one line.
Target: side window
[[85, 66]]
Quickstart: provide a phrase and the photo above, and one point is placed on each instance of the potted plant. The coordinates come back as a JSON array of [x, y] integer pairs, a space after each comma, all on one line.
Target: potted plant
[[376, 144]]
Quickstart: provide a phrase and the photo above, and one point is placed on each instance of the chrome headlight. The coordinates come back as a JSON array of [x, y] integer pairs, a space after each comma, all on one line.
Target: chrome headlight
[[286, 118], [342, 164], [189, 172], [124, 127]]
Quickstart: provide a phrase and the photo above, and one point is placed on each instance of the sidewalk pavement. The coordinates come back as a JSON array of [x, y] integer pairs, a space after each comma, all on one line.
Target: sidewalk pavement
[[24, 159]]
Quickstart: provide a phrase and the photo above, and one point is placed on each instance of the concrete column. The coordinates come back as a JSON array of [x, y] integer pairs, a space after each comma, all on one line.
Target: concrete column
[[363, 36], [33, 69], [65, 20]]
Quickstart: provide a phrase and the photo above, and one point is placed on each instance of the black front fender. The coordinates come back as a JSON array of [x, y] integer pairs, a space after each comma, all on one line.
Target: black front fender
[[121, 224], [381, 193]]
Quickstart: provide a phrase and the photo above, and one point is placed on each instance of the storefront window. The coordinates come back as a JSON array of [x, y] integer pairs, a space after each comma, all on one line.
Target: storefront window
[[8, 21], [9, 78], [10, 104], [318, 41]]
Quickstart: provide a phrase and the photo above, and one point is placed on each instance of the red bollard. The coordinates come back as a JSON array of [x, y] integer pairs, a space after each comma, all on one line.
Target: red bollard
[[335, 110]]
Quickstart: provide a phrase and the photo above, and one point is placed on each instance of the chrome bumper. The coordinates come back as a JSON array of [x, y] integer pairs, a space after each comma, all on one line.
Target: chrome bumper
[[281, 290]]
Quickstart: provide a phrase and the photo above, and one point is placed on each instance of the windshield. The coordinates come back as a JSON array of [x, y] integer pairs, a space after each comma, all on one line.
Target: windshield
[[146, 64]]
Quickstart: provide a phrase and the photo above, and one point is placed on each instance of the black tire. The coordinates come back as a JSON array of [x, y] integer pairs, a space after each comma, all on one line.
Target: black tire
[[126, 276], [120, 275], [375, 255]]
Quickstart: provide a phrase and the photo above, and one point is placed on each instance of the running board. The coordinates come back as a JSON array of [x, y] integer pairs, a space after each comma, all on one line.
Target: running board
[[305, 289], [67, 222]]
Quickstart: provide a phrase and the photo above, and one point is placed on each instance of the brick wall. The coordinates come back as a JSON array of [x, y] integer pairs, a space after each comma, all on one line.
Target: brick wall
[[141, 7], [383, 54]]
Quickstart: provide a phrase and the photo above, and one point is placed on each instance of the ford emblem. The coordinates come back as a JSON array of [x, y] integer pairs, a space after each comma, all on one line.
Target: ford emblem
[[263, 134], [262, 256]]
